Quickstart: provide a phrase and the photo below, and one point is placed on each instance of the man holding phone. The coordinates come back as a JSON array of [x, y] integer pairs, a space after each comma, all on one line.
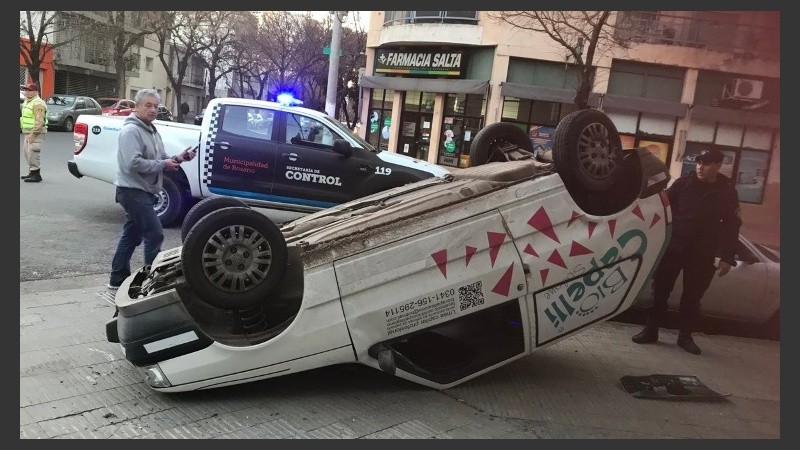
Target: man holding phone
[[141, 162]]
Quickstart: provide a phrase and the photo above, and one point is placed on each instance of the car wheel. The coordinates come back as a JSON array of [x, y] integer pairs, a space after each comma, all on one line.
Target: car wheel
[[234, 257], [587, 151], [204, 207], [69, 124], [500, 142], [171, 203]]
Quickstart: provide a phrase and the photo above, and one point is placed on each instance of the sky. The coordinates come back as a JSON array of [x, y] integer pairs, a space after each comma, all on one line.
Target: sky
[[364, 16]]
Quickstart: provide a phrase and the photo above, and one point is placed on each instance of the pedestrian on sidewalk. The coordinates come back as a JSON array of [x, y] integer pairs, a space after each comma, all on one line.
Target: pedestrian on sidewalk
[[705, 224], [33, 123], [141, 162]]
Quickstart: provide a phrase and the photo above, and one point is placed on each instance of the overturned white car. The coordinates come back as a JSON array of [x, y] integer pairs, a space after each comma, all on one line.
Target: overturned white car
[[436, 282]]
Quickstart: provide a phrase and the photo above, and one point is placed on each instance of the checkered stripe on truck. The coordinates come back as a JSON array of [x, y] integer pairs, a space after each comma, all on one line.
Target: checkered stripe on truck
[[210, 138]]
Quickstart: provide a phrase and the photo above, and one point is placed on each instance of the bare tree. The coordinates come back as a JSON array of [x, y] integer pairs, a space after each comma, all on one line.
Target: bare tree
[[179, 39], [119, 26], [37, 30], [576, 31], [218, 35]]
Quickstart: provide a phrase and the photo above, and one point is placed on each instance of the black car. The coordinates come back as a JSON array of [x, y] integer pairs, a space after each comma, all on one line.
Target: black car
[[164, 114]]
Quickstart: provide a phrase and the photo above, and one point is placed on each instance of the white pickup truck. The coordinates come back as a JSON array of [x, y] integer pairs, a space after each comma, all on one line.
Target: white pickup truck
[[269, 155]]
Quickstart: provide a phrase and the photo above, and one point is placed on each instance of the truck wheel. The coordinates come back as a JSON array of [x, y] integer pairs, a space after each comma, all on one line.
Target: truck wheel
[[171, 204], [234, 257], [204, 207], [587, 151], [500, 142]]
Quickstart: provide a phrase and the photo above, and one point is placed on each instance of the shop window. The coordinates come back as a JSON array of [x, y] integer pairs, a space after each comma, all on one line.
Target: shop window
[[412, 99], [756, 137], [661, 125], [653, 132], [537, 118], [747, 154], [701, 131], [625, 122], [729, 134], [380, 118], [463, 118]]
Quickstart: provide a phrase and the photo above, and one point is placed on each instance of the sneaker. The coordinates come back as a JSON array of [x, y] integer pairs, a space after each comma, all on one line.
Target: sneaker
[[687, 343], [111, 287], [647, 336]]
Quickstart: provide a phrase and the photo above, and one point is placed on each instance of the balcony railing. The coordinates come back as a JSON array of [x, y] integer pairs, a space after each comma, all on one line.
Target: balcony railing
[[653, 27], [406, 17]]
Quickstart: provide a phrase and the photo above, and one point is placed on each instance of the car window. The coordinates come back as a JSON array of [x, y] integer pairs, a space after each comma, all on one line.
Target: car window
[[305, 130], [250, 122], [106, 102], [61, 100], [80, 104]]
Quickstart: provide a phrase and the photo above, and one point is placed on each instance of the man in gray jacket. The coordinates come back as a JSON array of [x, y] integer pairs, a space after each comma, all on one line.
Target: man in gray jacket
[[141, 162]]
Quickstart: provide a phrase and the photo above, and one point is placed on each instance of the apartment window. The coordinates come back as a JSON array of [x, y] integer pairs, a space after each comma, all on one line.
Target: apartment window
[[148, 64], [652, 81]]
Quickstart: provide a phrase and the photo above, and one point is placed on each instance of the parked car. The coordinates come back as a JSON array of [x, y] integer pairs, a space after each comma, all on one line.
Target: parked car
[[436, 281], [747, 297], [164, 114], [63, 110], [116, 106]]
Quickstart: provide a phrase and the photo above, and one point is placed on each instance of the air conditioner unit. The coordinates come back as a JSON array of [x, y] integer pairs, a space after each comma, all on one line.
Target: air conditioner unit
[[743, 89]]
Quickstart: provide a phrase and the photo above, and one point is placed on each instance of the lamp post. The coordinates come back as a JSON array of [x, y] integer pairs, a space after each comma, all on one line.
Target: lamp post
[[333, 63]]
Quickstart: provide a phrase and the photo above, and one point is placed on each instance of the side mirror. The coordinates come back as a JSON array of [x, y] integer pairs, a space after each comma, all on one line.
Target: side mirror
[[342, 147]]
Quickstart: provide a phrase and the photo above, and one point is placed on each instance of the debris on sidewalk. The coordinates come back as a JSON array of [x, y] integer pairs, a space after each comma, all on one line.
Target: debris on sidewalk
[[669, 387]]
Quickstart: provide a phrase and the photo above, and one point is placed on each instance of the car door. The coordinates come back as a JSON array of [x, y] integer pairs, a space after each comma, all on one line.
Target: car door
[[740, 294], [81, 107], [240, 157], [309, 172]]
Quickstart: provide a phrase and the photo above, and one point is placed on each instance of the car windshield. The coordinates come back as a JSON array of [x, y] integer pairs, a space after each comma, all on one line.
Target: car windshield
[[769, 253], [61, 100], [106, 102]]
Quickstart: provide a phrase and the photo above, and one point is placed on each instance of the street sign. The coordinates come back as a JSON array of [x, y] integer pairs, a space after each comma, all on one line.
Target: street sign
[[327, 51]]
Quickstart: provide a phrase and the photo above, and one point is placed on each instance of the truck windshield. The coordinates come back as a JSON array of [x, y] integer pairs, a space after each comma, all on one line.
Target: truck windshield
[[364, 144]]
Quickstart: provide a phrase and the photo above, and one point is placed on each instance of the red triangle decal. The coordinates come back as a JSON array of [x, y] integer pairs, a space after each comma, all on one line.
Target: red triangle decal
[[529, 250], [441, 260], [543, 274], [592, 226], [504, 285], [495, 241], [656, 218], [556, 259], [575, 215], [578, 249], [470, 252], [612, 225], [541, 221], [638, 212]]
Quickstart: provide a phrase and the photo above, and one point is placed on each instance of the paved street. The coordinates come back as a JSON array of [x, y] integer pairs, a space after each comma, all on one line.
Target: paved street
[[74, 384]]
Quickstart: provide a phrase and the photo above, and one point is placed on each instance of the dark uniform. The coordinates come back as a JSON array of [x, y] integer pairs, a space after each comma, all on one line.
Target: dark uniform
[[705, 224]]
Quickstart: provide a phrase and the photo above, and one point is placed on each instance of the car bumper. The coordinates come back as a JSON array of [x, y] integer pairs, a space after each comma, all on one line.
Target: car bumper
[[154, 330], [73, 169]]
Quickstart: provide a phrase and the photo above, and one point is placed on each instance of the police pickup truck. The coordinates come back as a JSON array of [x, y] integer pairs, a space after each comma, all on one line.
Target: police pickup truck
[[270, 155]]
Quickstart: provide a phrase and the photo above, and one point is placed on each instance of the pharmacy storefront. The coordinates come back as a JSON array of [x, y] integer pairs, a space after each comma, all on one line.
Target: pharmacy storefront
[[426, 103]]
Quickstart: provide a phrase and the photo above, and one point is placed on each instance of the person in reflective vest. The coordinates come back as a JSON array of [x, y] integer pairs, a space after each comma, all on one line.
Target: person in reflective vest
[[33, 123]]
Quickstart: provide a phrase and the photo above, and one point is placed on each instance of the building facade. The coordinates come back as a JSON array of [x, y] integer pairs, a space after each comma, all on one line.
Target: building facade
[[682, 82], [84, 66]]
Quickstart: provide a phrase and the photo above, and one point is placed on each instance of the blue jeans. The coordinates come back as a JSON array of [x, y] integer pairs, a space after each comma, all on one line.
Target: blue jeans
[[141, 223]]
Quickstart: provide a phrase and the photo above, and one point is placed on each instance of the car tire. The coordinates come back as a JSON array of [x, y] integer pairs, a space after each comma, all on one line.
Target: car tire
[[69, 124], [171, 204], [498, 142], [587, 151], [204, 207], [234, 257]]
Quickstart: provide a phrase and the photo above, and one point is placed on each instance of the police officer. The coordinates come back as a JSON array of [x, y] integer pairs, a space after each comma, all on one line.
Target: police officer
[[33, 123], [705, 212]]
